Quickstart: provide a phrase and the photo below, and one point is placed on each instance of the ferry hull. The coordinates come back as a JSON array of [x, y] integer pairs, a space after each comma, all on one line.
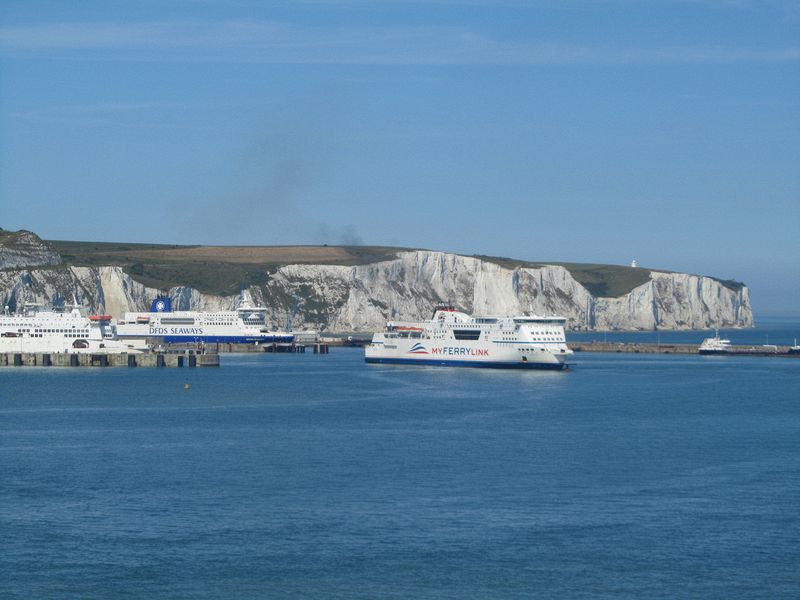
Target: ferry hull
[[433, 362], [407, 352], [36, 346], [197, 333], [226, 339]]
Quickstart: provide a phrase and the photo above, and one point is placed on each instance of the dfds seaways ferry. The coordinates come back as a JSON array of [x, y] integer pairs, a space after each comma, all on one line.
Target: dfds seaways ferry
[[453, 338], [246, 325]]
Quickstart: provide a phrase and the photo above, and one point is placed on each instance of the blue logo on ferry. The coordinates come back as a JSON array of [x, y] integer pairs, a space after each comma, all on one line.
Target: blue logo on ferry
[[418, 349], [161, 304]]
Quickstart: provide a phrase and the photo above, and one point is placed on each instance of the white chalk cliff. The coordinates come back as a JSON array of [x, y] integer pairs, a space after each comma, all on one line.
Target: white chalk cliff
[[363, 297]]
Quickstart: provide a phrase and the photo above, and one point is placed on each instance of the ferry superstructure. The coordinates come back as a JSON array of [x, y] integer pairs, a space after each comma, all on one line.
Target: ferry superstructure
[[453, 338], [246, 325], [38, 330], [715, 345]]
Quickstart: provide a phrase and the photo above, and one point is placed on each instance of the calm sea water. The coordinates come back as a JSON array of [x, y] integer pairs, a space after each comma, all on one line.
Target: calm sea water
[[318, 476]]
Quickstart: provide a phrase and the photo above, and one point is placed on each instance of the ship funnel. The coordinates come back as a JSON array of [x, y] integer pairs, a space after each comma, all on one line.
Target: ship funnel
[[161, 304]]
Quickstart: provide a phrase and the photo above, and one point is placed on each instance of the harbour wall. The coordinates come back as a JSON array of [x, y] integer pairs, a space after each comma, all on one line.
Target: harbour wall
[[643, 348], [62, 359]]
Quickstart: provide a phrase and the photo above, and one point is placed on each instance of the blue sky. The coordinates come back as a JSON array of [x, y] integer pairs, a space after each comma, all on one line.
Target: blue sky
[[665, 130]]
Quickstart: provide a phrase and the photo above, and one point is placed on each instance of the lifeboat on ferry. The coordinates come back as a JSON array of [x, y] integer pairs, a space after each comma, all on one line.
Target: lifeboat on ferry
[[10, 334], [100, 318], [408, 328]]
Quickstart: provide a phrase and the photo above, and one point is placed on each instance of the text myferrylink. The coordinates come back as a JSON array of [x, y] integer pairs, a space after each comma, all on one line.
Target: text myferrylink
[[467, 351]]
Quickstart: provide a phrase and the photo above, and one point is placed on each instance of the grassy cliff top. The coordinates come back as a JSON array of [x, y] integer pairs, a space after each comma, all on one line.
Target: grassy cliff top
[[224, 270], [10, 238], [610, 281], [601, 280]]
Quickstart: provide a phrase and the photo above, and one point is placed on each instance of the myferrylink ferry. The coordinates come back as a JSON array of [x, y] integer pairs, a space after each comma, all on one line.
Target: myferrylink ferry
[[245, 325], [453, 338]]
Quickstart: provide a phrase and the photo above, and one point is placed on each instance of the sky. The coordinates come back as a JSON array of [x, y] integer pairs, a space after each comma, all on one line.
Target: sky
[[666, 131]]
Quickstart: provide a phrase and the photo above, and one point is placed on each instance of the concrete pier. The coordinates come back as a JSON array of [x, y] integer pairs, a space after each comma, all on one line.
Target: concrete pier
[[643, 348], [635, 347], [283, 348], [36, 359]]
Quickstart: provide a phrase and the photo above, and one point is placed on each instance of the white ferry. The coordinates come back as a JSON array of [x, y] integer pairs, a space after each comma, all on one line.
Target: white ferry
[[715, 345], [453, 338], [38, 330], [245, 325]]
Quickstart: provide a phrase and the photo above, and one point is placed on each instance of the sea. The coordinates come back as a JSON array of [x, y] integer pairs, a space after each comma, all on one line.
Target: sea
[[318, 476]]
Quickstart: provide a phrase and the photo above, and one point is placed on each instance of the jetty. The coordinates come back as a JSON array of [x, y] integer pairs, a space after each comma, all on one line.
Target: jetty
[[250, 348], [65, 359], [654, 348]]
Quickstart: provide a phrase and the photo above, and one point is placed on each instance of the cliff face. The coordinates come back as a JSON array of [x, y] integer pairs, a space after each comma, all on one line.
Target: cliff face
[[363, 297], [25, 249], [105, 290]]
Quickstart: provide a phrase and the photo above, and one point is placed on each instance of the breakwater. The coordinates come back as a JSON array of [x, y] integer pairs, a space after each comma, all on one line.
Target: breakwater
[[155, 359], [231, 348], [650, 348]]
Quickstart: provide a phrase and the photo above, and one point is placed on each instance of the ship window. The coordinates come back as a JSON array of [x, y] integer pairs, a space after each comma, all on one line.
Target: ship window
[[466, 334]]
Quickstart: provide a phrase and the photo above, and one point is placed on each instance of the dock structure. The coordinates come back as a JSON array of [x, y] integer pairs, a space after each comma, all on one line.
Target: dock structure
[[234, 348], [638, 348], [64, 359], [650, 348]]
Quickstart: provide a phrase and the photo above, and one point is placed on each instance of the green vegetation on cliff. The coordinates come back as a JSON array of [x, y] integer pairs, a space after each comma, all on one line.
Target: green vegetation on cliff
[[609, 281], [222, 270]]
